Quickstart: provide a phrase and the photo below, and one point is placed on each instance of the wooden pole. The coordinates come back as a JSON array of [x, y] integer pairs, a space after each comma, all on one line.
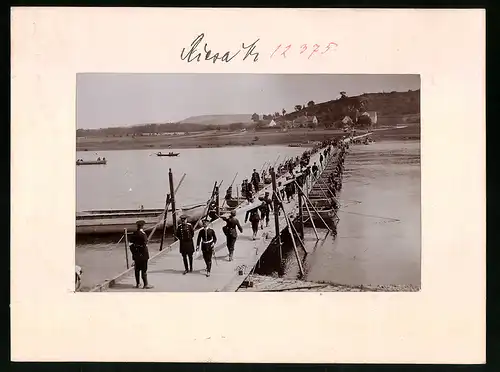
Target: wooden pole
[[319, 215], [276, 209], [205, 211], [165, 211], [126, 248], [291, 227], [301, 214], [312, 220], [172, 200], [293, 243], [167, 202], [217, 204]]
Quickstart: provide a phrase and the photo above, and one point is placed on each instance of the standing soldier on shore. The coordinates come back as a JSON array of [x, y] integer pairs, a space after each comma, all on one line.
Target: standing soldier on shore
[[185, 234], [140, 255], [207, 239], [230, 231], [255, 180]]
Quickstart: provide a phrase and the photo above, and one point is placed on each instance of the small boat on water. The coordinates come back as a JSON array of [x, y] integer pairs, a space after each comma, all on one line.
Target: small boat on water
[[167, 154], [233, 202], [230, 200], [102, 161]]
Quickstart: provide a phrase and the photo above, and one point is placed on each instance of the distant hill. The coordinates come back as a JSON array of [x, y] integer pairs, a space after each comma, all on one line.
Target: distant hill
[[391, 105], [218, 119], [392, 108]]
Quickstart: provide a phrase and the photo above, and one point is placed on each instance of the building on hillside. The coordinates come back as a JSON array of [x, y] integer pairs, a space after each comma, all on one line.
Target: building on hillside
[[306, 121], [266, 124], [371, 114], [347, 121], [284, 124]]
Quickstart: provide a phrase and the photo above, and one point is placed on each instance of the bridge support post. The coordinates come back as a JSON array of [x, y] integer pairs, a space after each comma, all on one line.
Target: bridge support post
[[126, 247], [172, 200], [165, 214], [301, 214], [217, 202], [276, 211]]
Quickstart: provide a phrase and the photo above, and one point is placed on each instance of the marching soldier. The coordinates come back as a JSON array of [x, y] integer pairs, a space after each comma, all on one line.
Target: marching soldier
[[255, 180], [212, 211], [315, 170], [206, 240], [266, 208], [254, 219], [321, 160], [140, 255], [185, 234], [230, 231]]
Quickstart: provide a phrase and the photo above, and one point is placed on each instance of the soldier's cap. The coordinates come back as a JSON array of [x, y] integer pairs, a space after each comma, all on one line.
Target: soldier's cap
[[233, 213], [140, 223]]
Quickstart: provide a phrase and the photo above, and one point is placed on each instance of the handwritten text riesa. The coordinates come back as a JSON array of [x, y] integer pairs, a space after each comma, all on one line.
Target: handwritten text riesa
[[194, 55], [282, 50]]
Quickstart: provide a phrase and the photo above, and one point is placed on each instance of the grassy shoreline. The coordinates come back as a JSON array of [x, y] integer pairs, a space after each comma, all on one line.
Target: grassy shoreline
[[214, 139]]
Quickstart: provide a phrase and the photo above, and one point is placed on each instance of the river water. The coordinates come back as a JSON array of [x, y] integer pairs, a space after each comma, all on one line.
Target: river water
[[379, 233], [133, 178], [378, 238]]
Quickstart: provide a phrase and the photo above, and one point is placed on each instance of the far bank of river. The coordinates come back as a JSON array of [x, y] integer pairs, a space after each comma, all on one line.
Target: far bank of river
[[215, 139]]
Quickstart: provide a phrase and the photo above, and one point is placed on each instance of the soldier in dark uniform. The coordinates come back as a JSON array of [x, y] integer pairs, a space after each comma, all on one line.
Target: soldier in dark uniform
[[253, 215], [289, 191], [230, 231], [140, 255], [206, 240], [212, 211], [315, 170], [255, 180], [321, 160], [185, 234], [266, 208]]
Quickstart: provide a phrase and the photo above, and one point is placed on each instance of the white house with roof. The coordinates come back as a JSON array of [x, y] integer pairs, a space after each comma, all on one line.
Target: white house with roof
[[372, 115]]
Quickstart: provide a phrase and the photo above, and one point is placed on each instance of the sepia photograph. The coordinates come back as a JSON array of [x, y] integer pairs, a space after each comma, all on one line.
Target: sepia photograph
[[234, 182]]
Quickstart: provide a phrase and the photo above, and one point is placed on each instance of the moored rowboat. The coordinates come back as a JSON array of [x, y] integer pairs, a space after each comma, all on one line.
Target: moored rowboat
[[167, 154], [111, 222], [91, 162]]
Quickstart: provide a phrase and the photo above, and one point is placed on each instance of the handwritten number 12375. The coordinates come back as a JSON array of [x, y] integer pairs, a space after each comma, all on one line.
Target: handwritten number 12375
[[282, 50]]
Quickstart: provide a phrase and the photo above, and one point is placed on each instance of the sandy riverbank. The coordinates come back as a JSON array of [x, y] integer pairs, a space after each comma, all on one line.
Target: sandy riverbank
[[273, 284], [232, 138]]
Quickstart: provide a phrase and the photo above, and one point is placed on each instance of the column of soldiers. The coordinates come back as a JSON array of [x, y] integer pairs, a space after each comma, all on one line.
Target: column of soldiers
[[335, 178], [207, 238]]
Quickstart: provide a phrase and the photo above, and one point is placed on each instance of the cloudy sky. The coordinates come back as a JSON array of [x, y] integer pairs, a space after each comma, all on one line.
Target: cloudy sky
[[108, 100]]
